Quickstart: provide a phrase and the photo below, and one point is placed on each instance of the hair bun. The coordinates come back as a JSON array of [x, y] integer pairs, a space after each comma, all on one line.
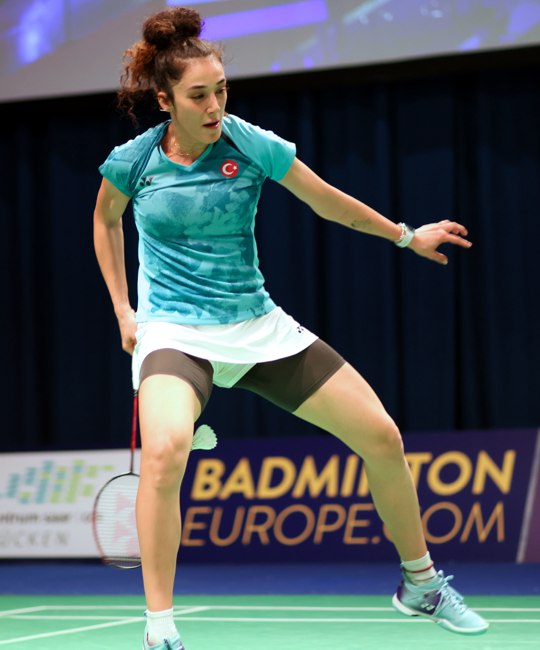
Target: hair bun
[[172, 25]]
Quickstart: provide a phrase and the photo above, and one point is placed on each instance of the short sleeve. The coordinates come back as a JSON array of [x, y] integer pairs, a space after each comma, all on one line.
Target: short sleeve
[[270, 152], [127, 162], [117, 168]]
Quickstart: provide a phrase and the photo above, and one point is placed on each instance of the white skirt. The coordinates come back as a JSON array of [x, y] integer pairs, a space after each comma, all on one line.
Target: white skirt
[[232, 348]]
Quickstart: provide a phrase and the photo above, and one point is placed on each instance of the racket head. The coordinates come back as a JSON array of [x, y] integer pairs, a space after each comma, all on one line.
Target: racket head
[[114, 524]]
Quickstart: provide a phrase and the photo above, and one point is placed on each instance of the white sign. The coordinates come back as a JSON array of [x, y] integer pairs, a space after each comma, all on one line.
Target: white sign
[[46, 501]]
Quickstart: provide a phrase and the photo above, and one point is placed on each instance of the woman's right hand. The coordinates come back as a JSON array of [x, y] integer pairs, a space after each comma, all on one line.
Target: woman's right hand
[[128, 329]]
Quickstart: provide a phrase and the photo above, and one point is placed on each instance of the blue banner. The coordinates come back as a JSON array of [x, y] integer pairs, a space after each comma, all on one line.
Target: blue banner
[[307, 499]]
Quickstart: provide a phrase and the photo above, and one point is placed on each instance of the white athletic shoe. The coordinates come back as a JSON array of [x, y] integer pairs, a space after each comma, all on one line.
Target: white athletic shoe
[[168, 644], [439, 602]]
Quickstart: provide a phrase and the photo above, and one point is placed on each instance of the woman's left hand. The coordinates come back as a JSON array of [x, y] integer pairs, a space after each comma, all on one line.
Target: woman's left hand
[[428, 238]]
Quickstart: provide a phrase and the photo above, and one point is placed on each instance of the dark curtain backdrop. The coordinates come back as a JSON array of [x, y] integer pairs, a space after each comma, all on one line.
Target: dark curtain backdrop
[[452, 347]]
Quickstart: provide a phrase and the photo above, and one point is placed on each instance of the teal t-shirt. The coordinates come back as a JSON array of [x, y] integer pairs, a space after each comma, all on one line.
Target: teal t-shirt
[[198, 260]]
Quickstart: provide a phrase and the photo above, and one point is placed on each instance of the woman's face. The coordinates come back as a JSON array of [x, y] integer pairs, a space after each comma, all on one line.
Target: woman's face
[[198, 104]]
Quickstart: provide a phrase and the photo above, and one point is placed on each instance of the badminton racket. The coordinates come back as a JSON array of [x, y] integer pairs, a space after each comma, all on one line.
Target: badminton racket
[[113, 516]]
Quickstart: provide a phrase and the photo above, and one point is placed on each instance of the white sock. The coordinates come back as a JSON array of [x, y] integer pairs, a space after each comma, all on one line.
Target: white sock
[[421, 570], [159, 626]]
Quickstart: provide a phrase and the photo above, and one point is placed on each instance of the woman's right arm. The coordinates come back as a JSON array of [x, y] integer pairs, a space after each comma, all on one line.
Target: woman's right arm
[[109, 247]]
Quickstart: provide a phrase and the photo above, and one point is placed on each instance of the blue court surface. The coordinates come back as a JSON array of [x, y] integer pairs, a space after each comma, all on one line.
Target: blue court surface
[[92, 577]]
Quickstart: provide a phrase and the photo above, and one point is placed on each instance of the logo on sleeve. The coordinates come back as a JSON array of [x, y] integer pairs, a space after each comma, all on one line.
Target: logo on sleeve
[[229, 168]]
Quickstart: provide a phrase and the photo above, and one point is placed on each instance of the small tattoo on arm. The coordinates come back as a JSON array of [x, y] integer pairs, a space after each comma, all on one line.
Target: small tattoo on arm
[[359, 224]]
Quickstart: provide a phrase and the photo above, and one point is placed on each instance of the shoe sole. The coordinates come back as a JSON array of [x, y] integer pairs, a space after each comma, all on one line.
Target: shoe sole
[[440, 621], [145, 647]]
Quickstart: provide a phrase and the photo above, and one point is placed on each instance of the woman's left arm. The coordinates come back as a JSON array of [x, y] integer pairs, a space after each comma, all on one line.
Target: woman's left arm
[[333, 204]]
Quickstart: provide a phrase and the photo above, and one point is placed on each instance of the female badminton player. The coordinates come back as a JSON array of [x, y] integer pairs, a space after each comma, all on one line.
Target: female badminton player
[[194, 181]]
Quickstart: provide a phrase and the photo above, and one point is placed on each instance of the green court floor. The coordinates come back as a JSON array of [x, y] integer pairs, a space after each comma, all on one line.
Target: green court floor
[[259, 623]]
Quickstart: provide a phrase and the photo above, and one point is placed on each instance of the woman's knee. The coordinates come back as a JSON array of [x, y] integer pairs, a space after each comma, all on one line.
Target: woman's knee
[[384, 442], [164, 457], [167, 410]]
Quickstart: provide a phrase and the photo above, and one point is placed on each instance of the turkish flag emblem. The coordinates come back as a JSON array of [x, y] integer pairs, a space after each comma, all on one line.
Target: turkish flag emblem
[[229, 168]]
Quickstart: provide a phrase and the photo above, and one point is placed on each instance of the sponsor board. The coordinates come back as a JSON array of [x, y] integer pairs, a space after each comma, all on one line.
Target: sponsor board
[[46, 501], [309, 499], [294, 499]]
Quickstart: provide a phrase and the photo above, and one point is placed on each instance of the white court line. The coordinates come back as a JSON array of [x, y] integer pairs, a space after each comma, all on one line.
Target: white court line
[[178, 615], [225, 619], [182, 613], [507, 609], [416, 619], [91, 617], [193, 609], [10, 612], [233, 619], [514, 620], [275, 608], [71, 631], [231, 607], [140, 607], [293, 608], [69, 617], [87, 628], [285, 608], [178, 609]]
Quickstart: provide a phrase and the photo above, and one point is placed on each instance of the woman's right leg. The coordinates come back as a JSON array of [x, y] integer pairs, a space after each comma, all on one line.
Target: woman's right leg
[[168, 408]]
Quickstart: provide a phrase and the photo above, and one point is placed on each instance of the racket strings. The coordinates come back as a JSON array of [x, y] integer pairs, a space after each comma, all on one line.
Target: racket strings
[[114, 522]]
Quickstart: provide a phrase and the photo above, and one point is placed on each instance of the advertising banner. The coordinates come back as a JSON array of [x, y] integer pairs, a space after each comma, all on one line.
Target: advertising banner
[[46, 501], [308, 499], [294, 499]]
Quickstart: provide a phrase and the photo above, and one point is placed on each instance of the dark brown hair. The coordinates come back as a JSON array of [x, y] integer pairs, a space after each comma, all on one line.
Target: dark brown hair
[[156, 62]]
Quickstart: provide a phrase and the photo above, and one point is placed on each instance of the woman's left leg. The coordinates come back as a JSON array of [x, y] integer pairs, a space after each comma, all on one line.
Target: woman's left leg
[[341, 402], [346, 406]]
